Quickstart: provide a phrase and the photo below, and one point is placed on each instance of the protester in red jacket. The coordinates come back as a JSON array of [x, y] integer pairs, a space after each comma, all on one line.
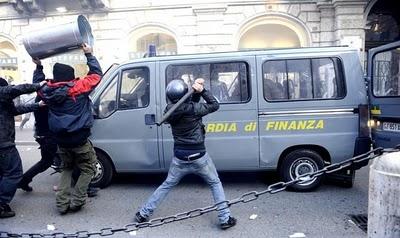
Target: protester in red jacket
[[70, 120]]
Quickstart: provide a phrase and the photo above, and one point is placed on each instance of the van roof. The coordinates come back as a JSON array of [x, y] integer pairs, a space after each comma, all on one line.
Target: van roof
[[336, 49]]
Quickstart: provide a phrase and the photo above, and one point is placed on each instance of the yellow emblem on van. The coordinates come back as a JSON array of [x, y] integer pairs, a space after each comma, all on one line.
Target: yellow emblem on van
[[376, 110], [294, 125]]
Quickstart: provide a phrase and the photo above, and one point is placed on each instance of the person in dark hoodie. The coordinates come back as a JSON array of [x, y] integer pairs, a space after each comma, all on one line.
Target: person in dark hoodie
[[190, 156], [45, 138], [10, 161], [70, 120]]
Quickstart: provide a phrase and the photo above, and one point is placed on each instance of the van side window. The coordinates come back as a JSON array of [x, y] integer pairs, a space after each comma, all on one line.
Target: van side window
[[228, 82], [302, 79], [108, 99], [275, 80], [327, 84], [299, 79], [188, 73], [135, 89], [386, 74]]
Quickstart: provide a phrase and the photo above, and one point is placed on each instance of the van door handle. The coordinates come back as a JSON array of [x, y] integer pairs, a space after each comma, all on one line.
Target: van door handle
[[150, 119]]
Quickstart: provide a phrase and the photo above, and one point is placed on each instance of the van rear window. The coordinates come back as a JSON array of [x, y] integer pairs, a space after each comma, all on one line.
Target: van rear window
[[303, 79], [228, 82]]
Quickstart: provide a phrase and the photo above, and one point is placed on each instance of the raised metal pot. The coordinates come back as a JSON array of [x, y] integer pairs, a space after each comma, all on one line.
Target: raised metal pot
[[58, 39]]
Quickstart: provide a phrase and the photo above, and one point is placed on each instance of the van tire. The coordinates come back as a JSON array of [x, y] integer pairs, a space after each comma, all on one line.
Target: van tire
[[305, 160], [104, 171]]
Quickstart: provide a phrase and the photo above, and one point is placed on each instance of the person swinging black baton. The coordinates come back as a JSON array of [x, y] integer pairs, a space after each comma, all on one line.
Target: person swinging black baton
[[190, 154]]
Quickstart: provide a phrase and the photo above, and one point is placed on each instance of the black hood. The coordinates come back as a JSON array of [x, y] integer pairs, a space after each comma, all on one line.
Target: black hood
[[63, 72]]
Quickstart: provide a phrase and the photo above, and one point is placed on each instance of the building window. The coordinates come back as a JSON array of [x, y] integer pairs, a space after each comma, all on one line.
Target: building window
[[273, 31], [165, 44], [302, 79], [135, 89], [140, 40], [269, 36], [228, 82]]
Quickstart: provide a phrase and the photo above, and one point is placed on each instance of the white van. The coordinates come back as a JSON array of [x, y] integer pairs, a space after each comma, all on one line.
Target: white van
[[291, 110]]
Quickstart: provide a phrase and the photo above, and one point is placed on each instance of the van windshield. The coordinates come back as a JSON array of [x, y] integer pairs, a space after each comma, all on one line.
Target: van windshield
[[106, 75]]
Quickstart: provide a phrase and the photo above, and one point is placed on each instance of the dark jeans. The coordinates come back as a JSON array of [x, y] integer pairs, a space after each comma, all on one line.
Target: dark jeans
[[10, 173], [48, 150]]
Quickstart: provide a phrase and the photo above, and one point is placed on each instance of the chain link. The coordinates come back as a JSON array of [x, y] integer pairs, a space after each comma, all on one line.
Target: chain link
[[244, 198]]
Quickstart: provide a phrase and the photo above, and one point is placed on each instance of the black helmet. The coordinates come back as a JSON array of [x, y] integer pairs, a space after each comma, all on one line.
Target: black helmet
[[176, 89]]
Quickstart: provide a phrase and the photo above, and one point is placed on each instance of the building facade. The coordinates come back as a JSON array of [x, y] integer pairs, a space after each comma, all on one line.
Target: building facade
[[124, 29]]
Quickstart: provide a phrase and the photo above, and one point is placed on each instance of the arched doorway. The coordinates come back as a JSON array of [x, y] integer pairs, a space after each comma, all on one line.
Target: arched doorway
[[273, 31], [141, 38], [382, 23], [269, 36], [8, 61]]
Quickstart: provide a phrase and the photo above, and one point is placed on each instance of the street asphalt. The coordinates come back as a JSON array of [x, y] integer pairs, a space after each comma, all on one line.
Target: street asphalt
[[322, 213]]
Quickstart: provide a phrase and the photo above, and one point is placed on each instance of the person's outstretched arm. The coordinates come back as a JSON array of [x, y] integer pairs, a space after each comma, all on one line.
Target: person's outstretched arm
[[25, 108], [88, 83], [12, 91]]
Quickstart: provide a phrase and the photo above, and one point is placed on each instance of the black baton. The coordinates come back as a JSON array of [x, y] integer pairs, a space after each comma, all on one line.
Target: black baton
[[175, 106]]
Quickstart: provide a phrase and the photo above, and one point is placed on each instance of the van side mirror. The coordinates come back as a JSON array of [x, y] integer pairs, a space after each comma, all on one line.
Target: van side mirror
[[150, 119]]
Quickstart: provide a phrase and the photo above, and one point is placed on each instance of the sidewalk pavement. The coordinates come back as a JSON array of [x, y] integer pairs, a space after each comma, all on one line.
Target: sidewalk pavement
[[24, 137]]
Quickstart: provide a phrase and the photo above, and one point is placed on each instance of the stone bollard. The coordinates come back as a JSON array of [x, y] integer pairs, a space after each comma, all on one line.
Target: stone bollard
[[384, 197]]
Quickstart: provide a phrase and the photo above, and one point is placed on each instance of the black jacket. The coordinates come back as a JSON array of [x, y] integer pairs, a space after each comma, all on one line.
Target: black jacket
[[186, 121], [70, 108], [8, 110]]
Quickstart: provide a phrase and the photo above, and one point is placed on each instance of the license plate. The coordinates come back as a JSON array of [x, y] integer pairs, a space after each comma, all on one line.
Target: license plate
[[390, 126]]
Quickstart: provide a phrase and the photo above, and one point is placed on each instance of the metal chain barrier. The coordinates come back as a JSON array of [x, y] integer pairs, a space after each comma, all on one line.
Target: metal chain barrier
[[244, 198]]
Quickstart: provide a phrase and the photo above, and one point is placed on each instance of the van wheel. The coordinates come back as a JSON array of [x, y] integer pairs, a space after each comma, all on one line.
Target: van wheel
[[104, 171], [300, 162]]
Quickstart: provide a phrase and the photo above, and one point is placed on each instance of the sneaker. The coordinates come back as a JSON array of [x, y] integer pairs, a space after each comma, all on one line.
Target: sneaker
[[63, 212], [92, 192], [57, 168], [231, 222], [25, 187], [73, 208], [5, 211], [139, 218]]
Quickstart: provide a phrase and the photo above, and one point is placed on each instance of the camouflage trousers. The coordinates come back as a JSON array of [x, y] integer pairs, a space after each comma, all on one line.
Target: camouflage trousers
[[84, 158]]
